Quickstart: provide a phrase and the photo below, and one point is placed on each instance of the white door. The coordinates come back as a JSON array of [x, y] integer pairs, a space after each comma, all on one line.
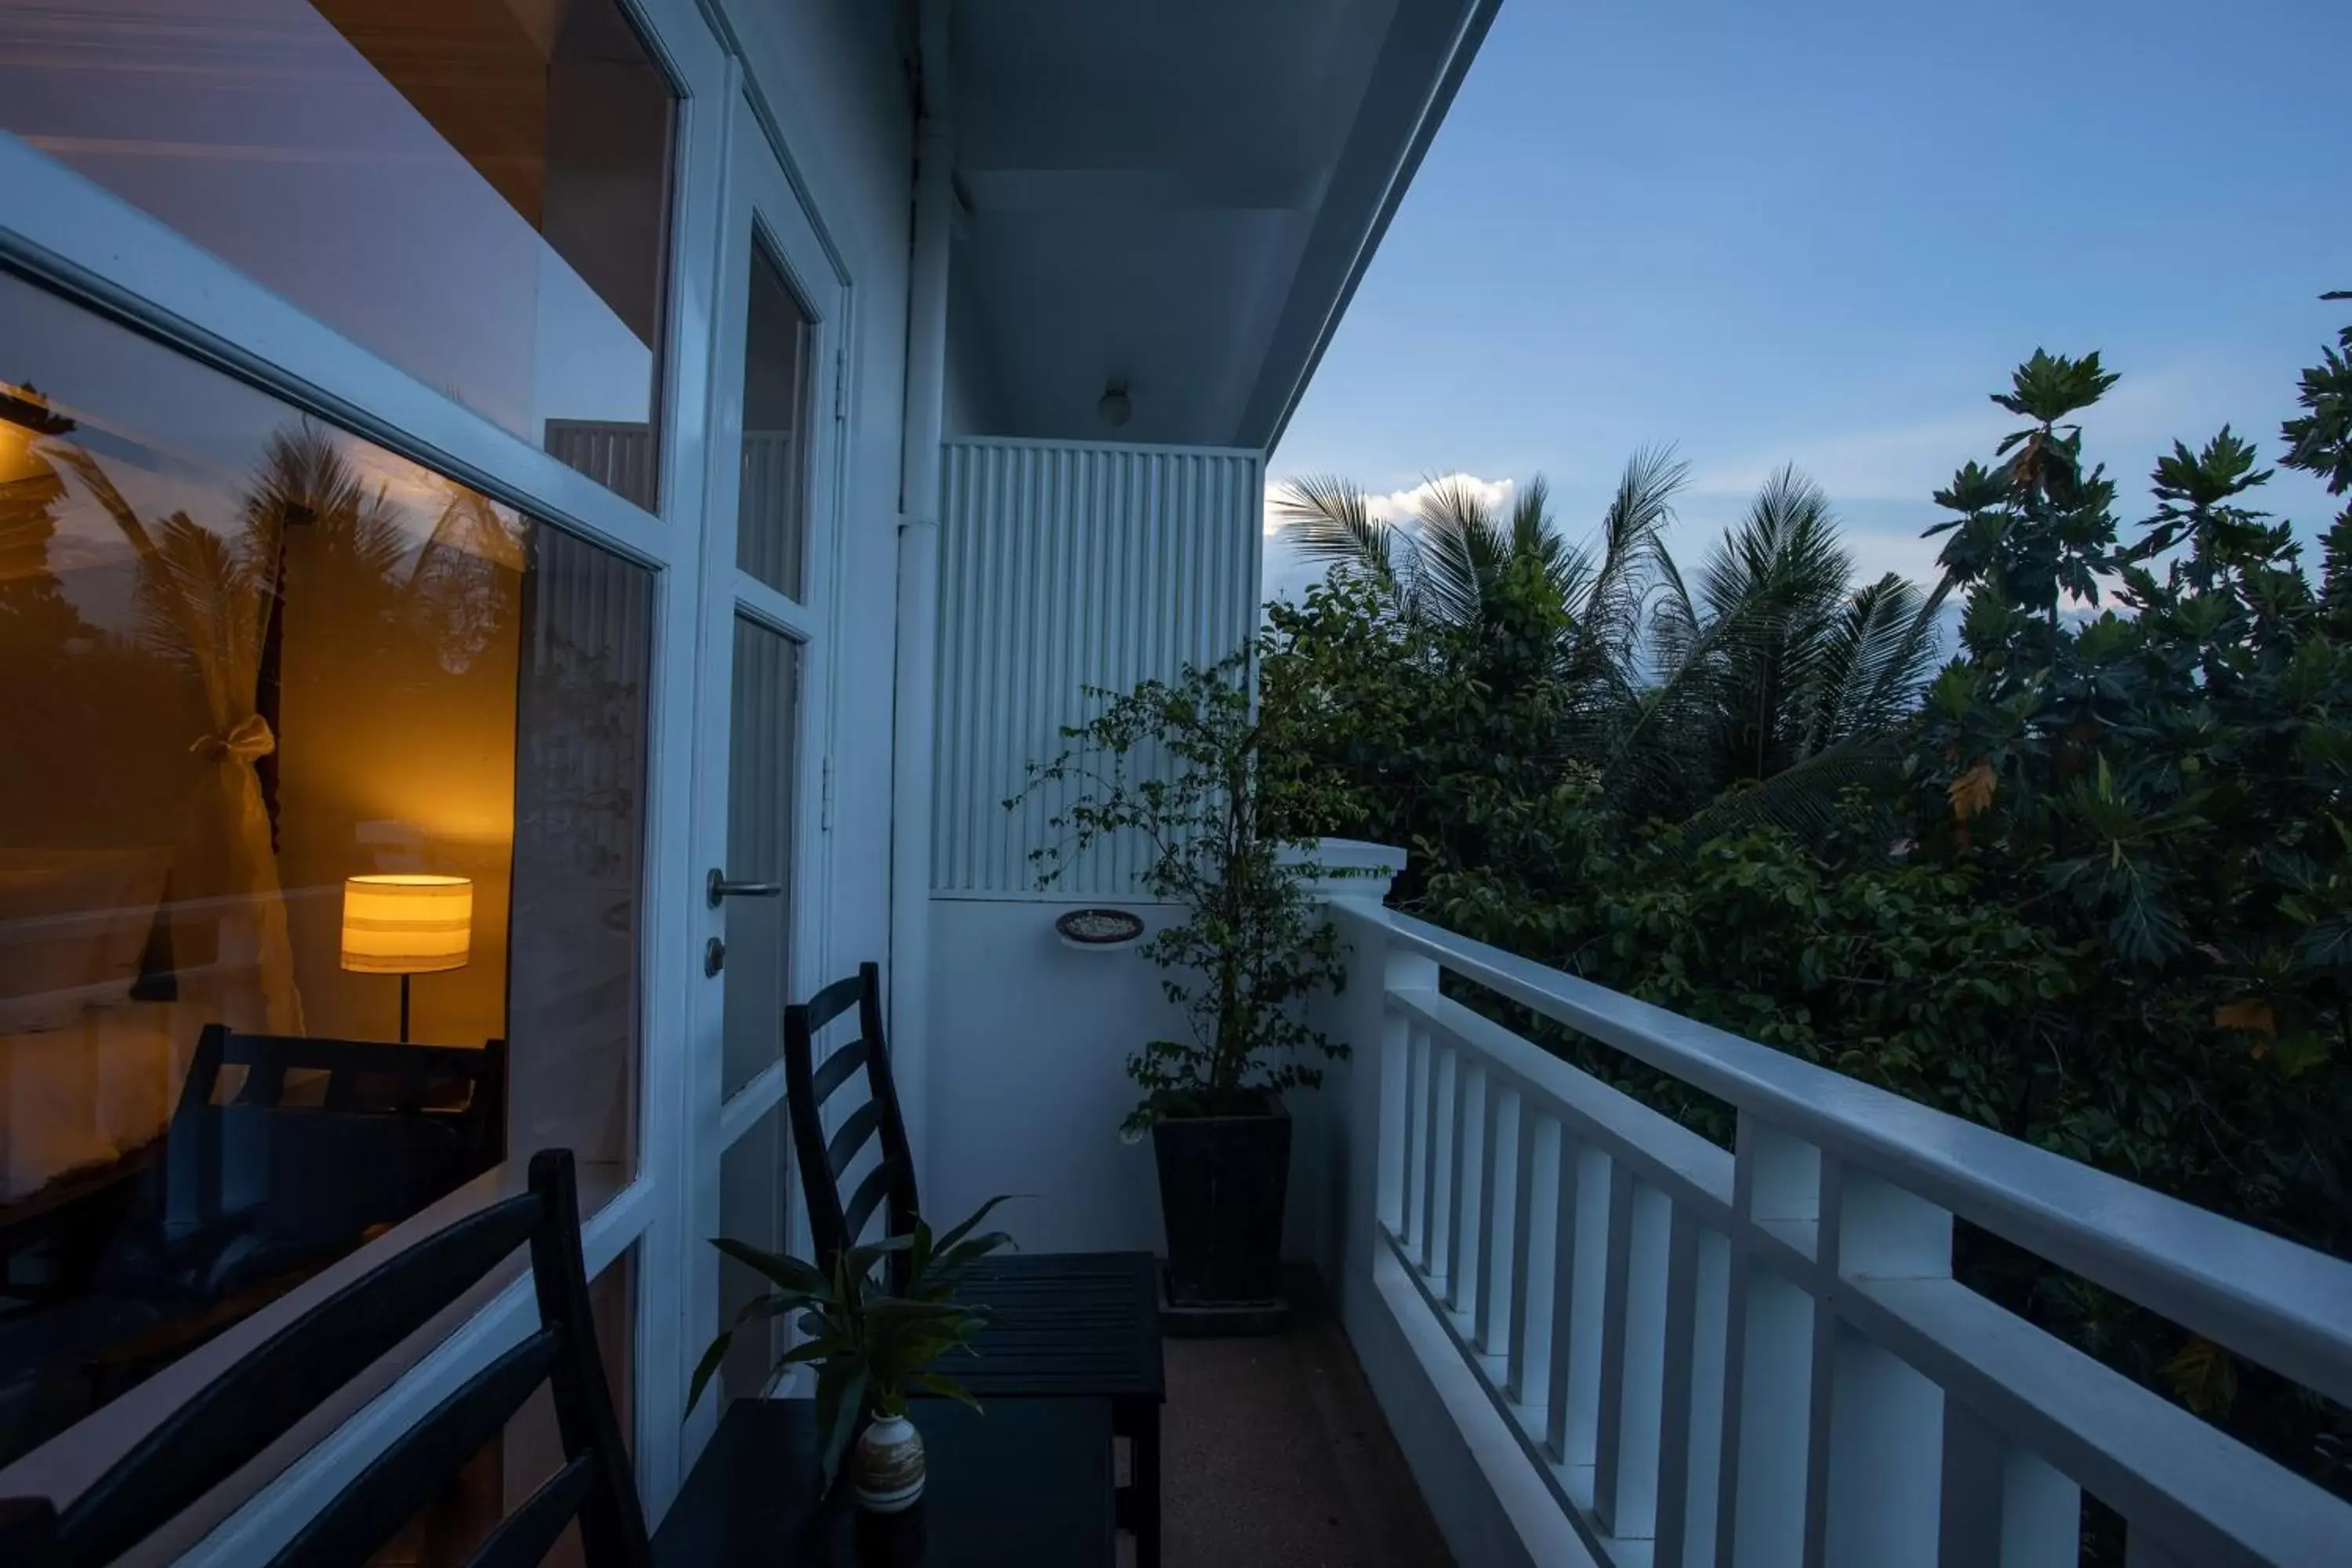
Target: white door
[[762, 786]]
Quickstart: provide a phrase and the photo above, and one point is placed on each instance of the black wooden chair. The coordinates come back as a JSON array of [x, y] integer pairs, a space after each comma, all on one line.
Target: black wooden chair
[[1068, 1325], [323, 1143], [262, 1396]]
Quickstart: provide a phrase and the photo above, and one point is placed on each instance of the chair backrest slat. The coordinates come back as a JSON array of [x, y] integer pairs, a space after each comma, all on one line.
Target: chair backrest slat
[[404, 1477], [247, 1407], [837, 1070], [851, 1136], [862, 1204], [265, 1393], [836, 999], [822, 1160], [525, 1537]]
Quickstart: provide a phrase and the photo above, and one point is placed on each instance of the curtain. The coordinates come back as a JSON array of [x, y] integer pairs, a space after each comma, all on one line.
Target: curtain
[[203, 600]]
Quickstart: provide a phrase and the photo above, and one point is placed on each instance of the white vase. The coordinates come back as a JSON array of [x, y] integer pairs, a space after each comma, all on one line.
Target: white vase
[[885, 1466]]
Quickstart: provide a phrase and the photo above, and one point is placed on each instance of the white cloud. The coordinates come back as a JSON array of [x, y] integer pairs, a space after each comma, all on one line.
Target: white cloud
[[1404, 506]]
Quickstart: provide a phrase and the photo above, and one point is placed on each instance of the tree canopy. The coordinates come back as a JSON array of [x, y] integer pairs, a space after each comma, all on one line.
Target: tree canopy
[[2089, 884]]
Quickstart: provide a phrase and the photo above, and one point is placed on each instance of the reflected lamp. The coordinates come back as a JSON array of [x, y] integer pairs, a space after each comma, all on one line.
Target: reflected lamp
[[407, 923]]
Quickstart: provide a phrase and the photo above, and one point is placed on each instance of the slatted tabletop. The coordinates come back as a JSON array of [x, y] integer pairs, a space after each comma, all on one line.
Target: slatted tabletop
[[1073, 1322]]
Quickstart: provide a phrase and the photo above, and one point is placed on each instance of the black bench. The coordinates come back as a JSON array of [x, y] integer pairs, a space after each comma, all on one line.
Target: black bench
[[1071, 1324]]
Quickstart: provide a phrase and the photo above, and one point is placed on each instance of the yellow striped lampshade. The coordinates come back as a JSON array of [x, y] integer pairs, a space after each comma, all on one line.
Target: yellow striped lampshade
[[407, 924]]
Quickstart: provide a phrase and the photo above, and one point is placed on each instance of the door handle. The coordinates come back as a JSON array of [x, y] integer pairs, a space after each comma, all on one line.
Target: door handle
[[720, 888]]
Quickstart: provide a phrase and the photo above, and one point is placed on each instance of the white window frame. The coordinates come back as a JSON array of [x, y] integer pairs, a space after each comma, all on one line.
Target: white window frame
[[72, 236]]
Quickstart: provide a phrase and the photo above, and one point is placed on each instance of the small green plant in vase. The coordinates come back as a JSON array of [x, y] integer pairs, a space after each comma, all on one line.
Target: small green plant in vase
[[872, 1350]]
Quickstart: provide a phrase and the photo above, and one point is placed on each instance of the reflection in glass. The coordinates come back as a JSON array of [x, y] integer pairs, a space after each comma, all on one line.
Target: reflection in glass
[[772, 511], [764, 760], [245, 656], [476, 190], [501, 1477], [751, 1198]]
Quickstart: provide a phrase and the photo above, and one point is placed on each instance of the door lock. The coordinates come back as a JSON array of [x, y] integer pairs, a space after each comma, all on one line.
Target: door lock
[[714, 957]]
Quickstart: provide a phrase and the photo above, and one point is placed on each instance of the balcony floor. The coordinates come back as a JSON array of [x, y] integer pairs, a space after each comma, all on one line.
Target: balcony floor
[[1274, 1454]]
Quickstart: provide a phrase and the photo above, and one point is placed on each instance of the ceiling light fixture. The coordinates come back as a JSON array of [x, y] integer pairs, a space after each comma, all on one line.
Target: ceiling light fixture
[[1115, 407]]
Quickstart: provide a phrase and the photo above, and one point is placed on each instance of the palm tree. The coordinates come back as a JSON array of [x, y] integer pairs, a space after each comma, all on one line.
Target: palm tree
[[1779, 669], [1776, 667], [1445, 567]]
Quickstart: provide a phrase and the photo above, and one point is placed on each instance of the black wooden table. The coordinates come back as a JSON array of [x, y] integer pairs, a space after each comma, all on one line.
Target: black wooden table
[[1027, 1483]]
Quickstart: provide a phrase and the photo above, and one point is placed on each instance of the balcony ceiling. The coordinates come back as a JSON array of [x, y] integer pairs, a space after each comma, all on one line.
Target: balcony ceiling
[[1180, 196]]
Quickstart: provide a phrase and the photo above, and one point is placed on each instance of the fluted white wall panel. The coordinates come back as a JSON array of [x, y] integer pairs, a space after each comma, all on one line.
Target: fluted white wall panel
[[1064, 567]]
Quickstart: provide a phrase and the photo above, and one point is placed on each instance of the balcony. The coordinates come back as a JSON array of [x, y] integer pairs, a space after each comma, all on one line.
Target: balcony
[[1600, 1337]]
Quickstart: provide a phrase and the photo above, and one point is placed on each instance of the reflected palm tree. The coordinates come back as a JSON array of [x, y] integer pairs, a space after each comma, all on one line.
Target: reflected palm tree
[[213, 602], [36, 616]]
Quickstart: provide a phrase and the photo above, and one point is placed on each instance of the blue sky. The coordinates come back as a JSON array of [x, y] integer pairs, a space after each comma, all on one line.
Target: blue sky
[[1821, 231]]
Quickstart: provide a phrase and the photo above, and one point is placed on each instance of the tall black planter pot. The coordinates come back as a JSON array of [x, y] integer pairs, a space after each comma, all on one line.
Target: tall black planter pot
[[1223, 1183]]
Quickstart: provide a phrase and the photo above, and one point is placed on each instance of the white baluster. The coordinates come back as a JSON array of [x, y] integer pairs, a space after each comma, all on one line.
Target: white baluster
[[1882, 1445], [1561, 1387], [1437, 1135], [1413, 1166], [1634, 1353], [1497, 1198], [1690, 1441], [1579, 1285], [1462, 1278], [1768, 1355], [2003, 1506], [1393, 1150], [1538, 1225]]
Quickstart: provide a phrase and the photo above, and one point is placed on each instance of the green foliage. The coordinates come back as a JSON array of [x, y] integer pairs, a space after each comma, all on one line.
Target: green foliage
[[1602, 654], [871, 1349], [1891, 972], [1211, 782], [2320, 441], [2090, 886]]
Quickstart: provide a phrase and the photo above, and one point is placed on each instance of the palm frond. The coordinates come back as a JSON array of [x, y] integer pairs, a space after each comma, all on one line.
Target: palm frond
[[1329, 520], [1634, 555], [1776, 586], [1462, 546], [1810, 799], [1876, 657]]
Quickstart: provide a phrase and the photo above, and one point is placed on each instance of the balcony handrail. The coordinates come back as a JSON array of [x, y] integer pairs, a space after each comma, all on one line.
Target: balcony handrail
[[2275, 1302]]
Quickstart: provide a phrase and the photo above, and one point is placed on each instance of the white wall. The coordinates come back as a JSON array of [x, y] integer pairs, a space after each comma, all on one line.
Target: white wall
[[1028, 1074], [1062, 567], [974, 407], [1028, 1084]]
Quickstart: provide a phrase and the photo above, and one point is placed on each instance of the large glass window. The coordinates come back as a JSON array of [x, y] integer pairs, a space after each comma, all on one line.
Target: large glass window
[[771, 509], [302, 740], [476, 190], [763, 768]]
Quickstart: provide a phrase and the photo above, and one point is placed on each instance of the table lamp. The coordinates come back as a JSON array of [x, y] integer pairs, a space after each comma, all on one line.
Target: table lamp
[[407, 923]]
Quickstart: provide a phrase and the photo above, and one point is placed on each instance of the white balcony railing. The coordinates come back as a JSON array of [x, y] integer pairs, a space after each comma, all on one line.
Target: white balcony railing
[[1761, 1358]]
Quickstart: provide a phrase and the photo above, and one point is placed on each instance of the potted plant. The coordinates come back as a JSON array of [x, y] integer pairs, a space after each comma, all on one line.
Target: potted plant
[[872, 1351], [1194, 769]]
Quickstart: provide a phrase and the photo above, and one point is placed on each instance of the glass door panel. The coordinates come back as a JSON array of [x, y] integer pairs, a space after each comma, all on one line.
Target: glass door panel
[[764, 760], [752, 1194], [771, 512]]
